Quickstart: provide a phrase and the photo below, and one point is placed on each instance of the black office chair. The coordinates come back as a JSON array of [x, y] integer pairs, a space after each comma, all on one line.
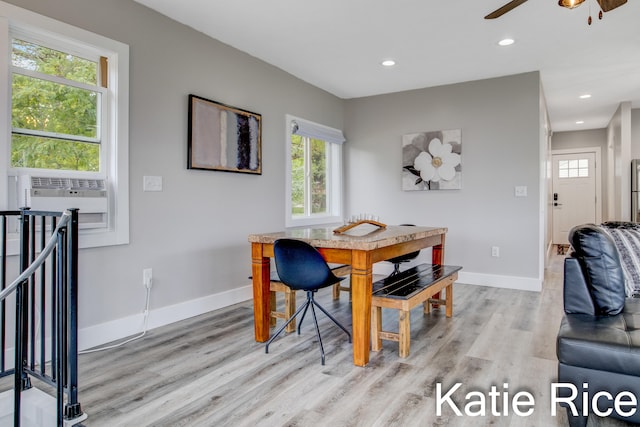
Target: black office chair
[[301, 267], [397, 261]]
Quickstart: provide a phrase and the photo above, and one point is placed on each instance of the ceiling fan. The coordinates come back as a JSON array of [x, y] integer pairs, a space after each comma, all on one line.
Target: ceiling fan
[[605, 5]]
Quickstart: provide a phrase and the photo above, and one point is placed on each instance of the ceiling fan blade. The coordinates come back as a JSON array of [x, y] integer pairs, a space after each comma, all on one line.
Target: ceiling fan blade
[[607, 5], [512, 5]]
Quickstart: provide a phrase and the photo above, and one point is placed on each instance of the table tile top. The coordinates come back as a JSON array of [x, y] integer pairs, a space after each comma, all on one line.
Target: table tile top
[[364, 237]]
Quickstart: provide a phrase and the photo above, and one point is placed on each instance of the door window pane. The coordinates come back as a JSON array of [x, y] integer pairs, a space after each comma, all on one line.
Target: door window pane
[[578, 168]]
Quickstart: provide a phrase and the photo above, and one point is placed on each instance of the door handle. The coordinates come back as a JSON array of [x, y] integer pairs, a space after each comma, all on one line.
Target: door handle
[[557, 204]]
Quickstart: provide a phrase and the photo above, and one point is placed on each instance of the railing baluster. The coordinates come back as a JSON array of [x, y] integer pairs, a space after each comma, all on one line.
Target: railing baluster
[[43, 293], [3, 284], [31, 301], [54, 293], [60, 309], [73, 409], [20, 342]]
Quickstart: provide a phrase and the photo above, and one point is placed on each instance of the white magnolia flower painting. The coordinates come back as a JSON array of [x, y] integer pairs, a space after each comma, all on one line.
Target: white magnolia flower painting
[[432, 160]]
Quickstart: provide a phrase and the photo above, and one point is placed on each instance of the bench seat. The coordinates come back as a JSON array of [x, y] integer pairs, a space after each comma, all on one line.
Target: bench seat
[[276, 285], [404, 291]]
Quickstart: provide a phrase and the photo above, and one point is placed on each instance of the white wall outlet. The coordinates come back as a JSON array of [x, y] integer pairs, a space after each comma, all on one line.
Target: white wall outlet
[[147, 277], [151, 183], [495, 251]]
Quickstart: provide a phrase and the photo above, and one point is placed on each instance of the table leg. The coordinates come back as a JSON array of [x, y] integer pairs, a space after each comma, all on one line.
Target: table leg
[[437, 254], [437, 258], [361, 287], [260, 266]]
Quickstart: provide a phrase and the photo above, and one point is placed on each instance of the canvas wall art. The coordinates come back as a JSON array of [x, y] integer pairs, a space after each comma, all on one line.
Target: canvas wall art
[[223, 138], [432, 160]]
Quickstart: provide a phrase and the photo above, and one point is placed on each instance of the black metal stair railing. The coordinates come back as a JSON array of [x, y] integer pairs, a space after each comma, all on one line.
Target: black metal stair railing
[[45, 309]]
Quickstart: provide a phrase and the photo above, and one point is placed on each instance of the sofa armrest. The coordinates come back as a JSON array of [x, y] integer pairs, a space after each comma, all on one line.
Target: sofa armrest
[[577, 298]]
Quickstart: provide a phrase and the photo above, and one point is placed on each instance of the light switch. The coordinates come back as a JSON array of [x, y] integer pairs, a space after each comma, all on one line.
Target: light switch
[[152, 183], [521, 191]]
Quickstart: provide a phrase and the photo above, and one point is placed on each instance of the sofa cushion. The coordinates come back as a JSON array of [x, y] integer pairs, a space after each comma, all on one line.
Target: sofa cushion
[[606, 343], [601, 267]]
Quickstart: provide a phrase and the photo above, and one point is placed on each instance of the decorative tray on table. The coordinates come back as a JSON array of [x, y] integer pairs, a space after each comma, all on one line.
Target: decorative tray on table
[[351, 225]]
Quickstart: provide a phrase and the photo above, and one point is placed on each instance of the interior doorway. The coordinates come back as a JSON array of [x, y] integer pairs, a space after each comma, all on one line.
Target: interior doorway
[[576, 194]]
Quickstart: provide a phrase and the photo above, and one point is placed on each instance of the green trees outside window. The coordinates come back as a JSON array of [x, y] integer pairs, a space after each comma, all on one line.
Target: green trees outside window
[[308, 190], [55, 109]]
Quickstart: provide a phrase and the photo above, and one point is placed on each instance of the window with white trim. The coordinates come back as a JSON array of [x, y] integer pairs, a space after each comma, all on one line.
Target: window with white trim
[[56, 108], [575, 168], [67, 89], [314, 173]]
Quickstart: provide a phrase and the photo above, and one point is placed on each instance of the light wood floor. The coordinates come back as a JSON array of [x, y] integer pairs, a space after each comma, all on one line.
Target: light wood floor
[[209, 371]]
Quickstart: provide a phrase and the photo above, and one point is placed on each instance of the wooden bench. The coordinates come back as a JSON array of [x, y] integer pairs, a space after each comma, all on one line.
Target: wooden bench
[[289, 304], [276, 285], [341, 271], [405, 290]]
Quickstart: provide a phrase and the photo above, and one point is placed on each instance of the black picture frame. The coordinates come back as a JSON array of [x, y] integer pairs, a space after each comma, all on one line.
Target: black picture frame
[[223, 138]]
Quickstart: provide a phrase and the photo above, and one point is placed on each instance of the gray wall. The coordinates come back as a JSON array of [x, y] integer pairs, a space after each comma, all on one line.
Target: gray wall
[[500, 124], [194, 233], [619, 157], [580, 139]]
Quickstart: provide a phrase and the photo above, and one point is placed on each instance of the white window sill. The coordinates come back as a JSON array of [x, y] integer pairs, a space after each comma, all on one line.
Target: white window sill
[[312, 221]]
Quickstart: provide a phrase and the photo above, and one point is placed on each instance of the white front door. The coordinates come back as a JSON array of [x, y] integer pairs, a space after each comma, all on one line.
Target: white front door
[[574, 193]]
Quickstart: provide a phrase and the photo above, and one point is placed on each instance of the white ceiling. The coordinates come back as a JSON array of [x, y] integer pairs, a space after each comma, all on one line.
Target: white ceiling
[[337, 45]]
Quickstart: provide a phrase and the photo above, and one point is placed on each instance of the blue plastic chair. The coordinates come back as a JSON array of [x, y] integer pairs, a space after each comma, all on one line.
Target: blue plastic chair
[[301, 267]]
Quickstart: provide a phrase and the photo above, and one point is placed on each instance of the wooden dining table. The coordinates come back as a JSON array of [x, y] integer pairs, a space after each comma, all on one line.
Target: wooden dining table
[[359, 247]]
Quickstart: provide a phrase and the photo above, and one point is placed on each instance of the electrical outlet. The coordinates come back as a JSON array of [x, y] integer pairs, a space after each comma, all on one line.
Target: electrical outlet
[[495, 251], [147, 277]]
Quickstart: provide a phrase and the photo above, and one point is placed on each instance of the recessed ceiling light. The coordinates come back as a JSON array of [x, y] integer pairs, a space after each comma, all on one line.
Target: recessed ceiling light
[[388, 62], [580, 122], [506, 42], [585, 96]]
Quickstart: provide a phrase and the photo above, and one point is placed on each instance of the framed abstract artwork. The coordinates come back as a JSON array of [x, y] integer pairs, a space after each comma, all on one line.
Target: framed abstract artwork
[[223, 138], [432, 160]]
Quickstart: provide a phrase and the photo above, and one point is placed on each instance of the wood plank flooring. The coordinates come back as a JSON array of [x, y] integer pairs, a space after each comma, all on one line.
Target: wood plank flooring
[[209, 371]]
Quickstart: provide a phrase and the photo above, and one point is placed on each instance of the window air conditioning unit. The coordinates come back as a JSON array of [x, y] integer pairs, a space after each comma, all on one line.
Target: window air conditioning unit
[[58, 194]]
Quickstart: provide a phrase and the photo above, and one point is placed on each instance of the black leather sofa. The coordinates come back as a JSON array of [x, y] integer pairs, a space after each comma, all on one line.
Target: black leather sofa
[[598, 345]]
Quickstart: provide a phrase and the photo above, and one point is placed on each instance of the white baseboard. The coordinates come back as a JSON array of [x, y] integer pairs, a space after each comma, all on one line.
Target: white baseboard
[[118, 329], [495, 281], [509, 282]]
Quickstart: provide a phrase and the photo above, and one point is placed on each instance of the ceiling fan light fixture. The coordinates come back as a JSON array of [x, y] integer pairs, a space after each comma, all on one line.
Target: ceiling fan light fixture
[[570, 4]]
